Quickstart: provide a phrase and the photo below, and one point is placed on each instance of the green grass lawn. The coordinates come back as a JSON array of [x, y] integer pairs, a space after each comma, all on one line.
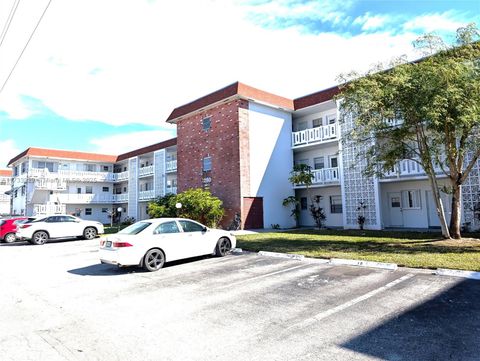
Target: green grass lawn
[[410, 249]]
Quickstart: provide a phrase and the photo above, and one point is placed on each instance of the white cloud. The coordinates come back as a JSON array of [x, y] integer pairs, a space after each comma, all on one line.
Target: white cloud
[[129, 61], [372, 22], [435, 22], [122, 143], [8, 151]]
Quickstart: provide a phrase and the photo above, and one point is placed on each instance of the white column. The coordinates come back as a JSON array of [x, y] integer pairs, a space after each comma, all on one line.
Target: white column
[[133, 187], [159, 177]]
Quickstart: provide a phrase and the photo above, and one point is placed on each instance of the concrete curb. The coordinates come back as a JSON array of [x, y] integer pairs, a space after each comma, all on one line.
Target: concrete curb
[[236, 250], [297, 257], [458, 273], [359, 263]]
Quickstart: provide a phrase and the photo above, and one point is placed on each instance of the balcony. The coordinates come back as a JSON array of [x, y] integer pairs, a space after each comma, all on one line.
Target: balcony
[[145, 171], [45, 209], [315, 135], [74, 175], [120, 198], [50, 184], [146, 195], [171, 166], [325, 176], [4, 198], [120, 177], [407, 168], [73, 198], [172, 190]]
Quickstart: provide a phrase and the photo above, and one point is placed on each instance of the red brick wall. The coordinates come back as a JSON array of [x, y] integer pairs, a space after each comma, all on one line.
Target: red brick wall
[[222, 142]]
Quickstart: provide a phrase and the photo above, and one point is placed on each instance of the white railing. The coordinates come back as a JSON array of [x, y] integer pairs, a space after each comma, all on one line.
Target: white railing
[[407, 167], [171, 165], [44, 209], [146, 195], [172, 190], [118, 177], [72, 175], [4, 198], [145, 171], [315, 135], [325, 175], [122, 198], [50, 184], [73, 198]]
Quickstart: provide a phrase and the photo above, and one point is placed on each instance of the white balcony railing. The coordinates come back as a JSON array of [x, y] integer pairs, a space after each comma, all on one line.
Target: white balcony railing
[[325, 175], [315, 135], [407, 167], [118, 177], [171, 165], [72, 175], [145, 171], [172, 190], [144, 195], [73, 198], [44, 209], [4, 198], [120, 198], [51, 184]]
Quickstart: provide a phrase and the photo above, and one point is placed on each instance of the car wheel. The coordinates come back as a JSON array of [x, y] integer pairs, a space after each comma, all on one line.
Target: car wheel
[[153, 260], [89, 233], [223, 247], [39, 238], [9, 238]]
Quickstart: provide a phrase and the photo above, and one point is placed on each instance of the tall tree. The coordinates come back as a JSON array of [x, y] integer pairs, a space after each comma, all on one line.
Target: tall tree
[[427, 111]]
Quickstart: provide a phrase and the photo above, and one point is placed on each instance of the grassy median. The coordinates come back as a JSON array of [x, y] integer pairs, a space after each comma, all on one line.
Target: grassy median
[[410, 249]]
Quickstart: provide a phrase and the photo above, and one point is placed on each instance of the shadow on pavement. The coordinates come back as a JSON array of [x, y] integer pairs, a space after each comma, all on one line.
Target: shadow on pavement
[[446, 327]]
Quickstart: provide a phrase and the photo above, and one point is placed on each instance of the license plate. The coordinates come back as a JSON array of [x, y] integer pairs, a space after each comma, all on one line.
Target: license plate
[[109, 244]]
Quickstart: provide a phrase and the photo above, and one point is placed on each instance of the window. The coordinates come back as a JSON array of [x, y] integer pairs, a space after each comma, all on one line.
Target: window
[[24, 167], [105, 168], [88, 190], [104, 210], [124, 189], [79, 190], [207, 164], [301, 161], [88, 211], [23, 190], [105, 189], [167, 227], [333, 162], [48, 165], [206, 124], [318, 163], [89, 167], [303, 203], [331, 119], [317, 122], [188, 226], [15, 194], [411, 199], [301, 126], [395, 202], [336, 204]]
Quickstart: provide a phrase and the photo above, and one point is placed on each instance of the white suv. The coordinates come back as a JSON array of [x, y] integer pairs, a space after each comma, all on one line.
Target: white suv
[[41, 230]]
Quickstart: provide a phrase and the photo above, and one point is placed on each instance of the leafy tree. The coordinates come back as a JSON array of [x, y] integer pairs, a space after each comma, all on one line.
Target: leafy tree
[[317, 212], [293, 202], [427, 111], [197, 204]]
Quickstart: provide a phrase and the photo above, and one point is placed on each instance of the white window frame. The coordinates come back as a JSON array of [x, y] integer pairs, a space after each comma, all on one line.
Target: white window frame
[[411, 199]]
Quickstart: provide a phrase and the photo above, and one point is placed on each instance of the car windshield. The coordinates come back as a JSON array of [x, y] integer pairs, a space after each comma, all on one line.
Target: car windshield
[[22, 221], [38, 220], [135, 228]]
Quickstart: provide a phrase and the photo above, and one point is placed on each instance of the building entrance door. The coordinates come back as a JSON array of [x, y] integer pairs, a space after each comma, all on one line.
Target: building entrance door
[[253, 212], [395, 207]]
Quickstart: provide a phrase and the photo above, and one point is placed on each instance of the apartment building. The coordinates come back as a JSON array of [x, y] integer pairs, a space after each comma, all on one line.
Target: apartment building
[[240, 143], [5, 187], [91, 186]]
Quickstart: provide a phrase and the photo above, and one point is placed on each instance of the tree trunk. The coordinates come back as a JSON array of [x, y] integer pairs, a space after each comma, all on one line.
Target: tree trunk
[[455, 217], [439, 206]]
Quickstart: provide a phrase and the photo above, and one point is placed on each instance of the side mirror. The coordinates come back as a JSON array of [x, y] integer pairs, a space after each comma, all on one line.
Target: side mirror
[[205, 229]]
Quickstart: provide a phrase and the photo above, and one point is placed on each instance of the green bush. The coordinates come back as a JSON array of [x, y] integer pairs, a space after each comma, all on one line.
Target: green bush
[[197, 204]]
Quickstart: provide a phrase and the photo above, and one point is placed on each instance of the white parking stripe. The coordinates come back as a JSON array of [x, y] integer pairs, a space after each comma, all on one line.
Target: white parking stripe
[[262, 276], [320, 316]]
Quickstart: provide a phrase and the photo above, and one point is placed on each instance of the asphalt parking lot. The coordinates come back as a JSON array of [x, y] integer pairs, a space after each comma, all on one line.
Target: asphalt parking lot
[[58, 303]]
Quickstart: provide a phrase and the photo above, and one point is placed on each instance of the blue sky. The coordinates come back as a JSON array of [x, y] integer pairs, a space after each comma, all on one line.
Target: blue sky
[[109, 87]]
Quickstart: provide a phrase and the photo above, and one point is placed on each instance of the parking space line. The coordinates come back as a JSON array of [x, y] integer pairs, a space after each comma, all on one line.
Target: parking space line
[[263, 276], [320, 316]]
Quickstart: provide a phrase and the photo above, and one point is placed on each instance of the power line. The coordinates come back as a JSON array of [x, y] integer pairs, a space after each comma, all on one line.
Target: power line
[[9, 21], [25, 47]]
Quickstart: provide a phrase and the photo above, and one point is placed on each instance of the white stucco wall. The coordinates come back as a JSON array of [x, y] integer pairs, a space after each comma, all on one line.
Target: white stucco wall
[[333, 219], [271, 161]]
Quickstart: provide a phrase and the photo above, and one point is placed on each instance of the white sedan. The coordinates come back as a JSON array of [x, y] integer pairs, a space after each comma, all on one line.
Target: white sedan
[[153, 242], [42, 229]]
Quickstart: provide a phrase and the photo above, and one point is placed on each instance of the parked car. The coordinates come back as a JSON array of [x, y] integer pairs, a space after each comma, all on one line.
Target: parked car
[[41, 230], [8, 227], [151, 243]]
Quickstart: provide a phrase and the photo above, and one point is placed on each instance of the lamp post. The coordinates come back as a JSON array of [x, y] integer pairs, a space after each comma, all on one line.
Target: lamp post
[[119, 212], [178, 206]]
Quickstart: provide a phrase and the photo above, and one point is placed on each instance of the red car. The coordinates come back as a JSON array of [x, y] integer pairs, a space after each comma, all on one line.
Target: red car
[[8, 228]]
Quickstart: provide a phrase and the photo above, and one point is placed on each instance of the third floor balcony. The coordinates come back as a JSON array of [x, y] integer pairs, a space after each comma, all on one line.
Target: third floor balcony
[[171, 165], [315, 135], [145, 171], [325, 176]]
